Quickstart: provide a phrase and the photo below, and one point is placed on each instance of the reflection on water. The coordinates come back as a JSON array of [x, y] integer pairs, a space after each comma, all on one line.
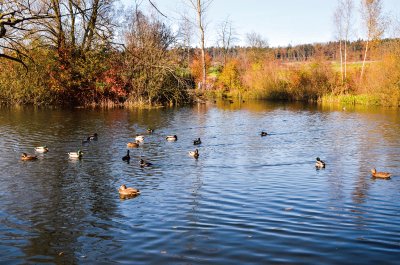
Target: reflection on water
[[247, 199]]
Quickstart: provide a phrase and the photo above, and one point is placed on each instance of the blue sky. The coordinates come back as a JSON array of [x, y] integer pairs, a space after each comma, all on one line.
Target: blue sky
[[281, 22]]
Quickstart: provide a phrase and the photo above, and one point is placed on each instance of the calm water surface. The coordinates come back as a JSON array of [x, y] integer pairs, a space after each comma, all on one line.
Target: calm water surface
[[246, 200]]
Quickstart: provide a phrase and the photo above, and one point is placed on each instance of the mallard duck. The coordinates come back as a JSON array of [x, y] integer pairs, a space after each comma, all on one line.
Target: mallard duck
[[197, 141], [93, 137], [150, 131], [86, 141], [133, 144], [264, 133], [127, 157], [194, 153], [26, 157], [145, 164], [171, 138], [41, 149], [75, 154], [139, 138], [319, 163], [124, 191], [381, 175]]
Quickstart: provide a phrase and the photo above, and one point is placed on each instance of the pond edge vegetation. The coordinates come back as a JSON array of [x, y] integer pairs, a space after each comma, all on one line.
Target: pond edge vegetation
[[65, 63]]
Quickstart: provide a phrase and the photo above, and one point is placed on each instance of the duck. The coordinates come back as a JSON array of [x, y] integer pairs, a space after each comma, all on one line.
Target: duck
[[194, 153], [127, 157], [75, 154], [197, 141], [171, 138], [150, 130], [264, 133], [319, 163], [26, 157], [139, 138], [124, 191], [92, 137], [381, 175], [145, 164], [86, 141], [41, 149], [133, 144]]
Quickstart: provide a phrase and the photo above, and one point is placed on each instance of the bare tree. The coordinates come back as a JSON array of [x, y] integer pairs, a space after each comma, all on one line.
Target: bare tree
[[343, 20], [201, 6], [255, 40], [16, 20], [226, 36], [338, 21], [186, 32], [371, 11], [150, 63]]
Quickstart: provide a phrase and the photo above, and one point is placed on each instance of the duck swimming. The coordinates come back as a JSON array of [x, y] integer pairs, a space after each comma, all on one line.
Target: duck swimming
[[144, 164], [171, 138], [139, 138], [127, 157], [26, 157], [41, 149], [381, 175], [75, 154], [133, 144], [264, 133], [319, 164], [92, 137], [197, 141], [150, 131], [194, 153], [124, 191], [86, 141]]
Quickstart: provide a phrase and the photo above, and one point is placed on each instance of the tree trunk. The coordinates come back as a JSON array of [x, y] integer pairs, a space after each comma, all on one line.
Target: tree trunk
[[203, 54], [72, 15], [345, 59], [341, 60], [365, 57]]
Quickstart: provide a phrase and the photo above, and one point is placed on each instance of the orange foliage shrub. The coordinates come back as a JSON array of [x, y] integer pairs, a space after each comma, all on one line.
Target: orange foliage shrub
[[196, 66]]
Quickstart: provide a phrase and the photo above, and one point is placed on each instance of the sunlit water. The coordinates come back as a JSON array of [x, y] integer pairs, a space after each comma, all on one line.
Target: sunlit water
[[247, 200]]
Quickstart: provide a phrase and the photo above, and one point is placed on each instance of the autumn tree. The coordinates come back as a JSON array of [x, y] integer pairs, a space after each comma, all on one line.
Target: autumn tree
[[200, 7], [371, 11], [151, 69]]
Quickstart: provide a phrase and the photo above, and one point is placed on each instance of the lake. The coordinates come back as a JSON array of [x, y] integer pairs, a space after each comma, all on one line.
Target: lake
[[247, 199]]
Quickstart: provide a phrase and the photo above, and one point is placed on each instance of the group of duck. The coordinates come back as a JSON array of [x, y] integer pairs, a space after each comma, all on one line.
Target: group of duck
[[126, 192], [319, 164], [45, 149]]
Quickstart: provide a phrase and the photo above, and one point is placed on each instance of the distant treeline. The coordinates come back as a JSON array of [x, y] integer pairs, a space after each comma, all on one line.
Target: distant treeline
[[307, 52]]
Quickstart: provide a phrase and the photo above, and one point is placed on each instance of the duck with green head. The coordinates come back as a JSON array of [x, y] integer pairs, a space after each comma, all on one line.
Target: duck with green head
[[75, 154], [41, 149], [171, 138], [319, 163], [127, 157], [194, 154]]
